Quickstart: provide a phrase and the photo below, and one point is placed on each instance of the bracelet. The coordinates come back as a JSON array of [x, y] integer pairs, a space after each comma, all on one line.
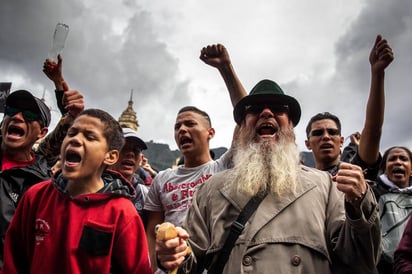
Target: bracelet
[[360, 198]]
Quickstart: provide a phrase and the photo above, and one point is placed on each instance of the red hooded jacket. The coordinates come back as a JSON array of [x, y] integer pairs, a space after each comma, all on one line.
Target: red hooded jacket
[[53, 232]]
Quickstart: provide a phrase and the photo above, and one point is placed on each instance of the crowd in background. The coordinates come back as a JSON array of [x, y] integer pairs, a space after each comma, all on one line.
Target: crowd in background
[[84, 199]]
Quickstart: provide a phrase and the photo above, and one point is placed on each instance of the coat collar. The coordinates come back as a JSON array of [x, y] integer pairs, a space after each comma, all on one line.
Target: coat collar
[[272, 205]]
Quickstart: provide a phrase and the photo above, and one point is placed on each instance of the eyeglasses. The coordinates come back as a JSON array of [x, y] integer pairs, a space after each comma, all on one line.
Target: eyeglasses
[[27, 114], [274, 108], [320, 132]]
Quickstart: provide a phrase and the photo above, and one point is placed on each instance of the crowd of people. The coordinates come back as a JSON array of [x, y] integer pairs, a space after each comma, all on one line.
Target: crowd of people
[[85, 200]]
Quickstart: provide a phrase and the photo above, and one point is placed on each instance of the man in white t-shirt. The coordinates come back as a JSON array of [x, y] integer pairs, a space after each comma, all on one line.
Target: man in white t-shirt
[[172, 190]]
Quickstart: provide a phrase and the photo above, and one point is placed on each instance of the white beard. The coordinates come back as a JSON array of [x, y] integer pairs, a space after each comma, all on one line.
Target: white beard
[[264, 166]]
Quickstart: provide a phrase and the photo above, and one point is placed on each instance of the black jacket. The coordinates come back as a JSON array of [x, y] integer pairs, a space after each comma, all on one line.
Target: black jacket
[[13, 183]]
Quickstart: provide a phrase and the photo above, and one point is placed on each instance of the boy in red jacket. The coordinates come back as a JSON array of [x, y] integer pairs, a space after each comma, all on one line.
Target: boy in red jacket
[[82, 220]]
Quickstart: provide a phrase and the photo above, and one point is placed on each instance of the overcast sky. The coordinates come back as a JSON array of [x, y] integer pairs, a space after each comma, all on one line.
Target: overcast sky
[[317, 51]]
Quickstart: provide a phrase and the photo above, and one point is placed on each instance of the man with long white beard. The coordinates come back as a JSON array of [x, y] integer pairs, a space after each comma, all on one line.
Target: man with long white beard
[[261, 166], [307, 222]]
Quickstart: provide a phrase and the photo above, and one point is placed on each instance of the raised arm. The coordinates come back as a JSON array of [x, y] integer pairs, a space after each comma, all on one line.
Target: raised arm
[[380, 57], [54, 72], [217, 56], [70, 103], [49, 147]]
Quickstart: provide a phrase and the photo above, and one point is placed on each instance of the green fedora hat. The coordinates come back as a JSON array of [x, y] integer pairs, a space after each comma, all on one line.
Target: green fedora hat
[[267, 92]]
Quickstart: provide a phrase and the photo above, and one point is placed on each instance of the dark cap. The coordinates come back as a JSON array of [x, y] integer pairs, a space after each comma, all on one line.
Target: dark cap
[[130, 133], [24, 100], [267, 92]]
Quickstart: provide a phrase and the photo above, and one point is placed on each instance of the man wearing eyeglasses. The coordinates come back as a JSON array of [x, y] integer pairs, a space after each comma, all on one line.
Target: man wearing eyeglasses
[[302, 225], [325, 140], [324, 129]]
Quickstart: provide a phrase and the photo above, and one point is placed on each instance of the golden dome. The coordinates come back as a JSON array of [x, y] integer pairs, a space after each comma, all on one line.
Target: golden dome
[[128, 117]]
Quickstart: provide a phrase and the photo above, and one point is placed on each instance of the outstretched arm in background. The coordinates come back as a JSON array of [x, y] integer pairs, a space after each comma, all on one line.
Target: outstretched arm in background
[[217, 56], [380, 57], [54, 72], [70, 103]]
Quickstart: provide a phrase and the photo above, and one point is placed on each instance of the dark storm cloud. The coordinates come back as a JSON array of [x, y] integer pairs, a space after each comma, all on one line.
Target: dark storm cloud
[[394, 21], [26, 28], [114, 47], [103, 62]]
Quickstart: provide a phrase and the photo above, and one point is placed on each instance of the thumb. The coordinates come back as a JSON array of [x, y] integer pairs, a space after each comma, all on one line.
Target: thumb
[[203, 57], [65, 86], [59, 59]]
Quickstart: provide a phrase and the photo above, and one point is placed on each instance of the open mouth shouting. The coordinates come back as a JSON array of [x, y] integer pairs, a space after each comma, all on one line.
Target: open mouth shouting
[[326, 146], [127, 163], [185, 141], [266, 129], [15, 132], [398, 172], [72, 159]]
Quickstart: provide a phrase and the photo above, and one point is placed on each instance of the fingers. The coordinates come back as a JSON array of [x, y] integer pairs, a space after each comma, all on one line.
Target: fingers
[[73, 102], [171, 253], [54, 71], [355, 137], [171, 247], [182, 233], [72, 96], [48, 66], [211, 51], [382, 49], [377, 39], [75, 108], [350, 180], [170, 260]]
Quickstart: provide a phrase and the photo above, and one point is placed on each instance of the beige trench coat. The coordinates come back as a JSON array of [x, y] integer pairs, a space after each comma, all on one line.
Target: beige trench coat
[[304, 233]]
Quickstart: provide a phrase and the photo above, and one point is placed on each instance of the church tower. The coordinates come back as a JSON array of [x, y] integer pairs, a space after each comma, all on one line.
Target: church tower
[[128, 117]]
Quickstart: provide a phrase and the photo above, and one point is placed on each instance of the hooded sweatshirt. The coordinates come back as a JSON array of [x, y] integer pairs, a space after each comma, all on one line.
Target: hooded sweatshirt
[[53, 232], [383, 185]]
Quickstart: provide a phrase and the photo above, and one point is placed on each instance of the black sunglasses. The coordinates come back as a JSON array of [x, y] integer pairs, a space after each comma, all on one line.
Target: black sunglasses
[[330, 131], [27, 114], [274, 108]]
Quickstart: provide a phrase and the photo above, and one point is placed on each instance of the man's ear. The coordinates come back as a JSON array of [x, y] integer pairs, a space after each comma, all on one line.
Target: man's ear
[[211, 133], [111, 157], [341, 141], [307, 143], [43, 132]]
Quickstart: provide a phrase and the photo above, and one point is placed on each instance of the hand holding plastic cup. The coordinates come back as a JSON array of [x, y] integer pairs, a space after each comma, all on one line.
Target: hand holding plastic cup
[[59, 39]]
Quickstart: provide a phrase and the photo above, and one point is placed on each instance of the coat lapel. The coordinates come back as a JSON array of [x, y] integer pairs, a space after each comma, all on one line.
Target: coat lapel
[[269, 208]]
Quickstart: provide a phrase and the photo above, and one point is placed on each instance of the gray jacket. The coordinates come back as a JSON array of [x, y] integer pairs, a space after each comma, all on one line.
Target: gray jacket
[[310, 232]]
